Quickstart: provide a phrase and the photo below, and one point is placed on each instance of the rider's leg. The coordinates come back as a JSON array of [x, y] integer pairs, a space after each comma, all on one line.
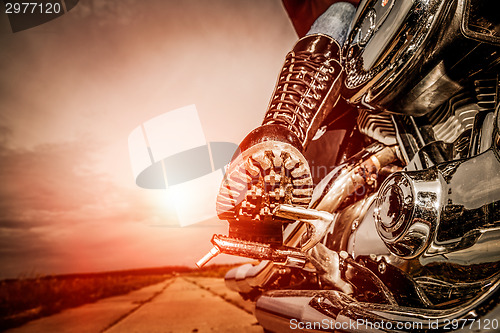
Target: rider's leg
[[271, 168]]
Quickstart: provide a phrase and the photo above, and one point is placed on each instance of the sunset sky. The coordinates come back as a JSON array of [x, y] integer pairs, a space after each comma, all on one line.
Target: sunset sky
[[73, 89]]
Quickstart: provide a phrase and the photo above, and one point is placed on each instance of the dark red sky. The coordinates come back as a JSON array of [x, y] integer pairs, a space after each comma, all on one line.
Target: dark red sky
[[73, 89]]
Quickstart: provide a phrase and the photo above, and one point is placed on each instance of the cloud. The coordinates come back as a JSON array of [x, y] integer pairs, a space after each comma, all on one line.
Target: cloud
[[50, 179], [59, 216]]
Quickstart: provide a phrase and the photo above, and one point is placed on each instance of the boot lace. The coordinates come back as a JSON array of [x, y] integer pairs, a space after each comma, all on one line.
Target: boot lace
[[302, 84]]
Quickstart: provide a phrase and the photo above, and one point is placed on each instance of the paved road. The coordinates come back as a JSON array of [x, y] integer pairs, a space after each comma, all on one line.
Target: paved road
[[176, 305]]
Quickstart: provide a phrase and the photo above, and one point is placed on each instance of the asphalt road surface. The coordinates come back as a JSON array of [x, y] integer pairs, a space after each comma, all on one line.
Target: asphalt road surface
[[181, 304]]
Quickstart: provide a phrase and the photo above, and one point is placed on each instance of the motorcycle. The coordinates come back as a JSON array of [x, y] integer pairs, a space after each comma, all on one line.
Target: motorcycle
[[404, 233]]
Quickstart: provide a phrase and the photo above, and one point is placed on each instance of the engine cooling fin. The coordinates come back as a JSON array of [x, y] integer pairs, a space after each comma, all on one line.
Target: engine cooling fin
[[453, 121], [377, 126]]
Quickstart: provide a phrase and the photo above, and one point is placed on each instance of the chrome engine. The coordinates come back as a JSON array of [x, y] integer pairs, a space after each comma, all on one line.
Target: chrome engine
[[421, 245]]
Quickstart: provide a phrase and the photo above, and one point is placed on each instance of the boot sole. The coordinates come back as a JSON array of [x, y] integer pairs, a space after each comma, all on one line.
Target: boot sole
[[266, 175]]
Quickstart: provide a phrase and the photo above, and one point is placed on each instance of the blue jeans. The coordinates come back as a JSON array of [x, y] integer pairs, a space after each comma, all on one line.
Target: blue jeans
[[335, 21]]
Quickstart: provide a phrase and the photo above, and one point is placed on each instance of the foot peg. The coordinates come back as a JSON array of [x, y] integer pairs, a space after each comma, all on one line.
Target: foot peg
[[319, 221], [289, 256], [214, 252]]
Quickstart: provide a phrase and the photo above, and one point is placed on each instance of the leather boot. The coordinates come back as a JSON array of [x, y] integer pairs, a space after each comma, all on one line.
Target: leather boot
[[270, 168]]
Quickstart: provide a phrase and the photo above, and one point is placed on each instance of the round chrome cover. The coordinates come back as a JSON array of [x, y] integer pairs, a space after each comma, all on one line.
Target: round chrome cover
[[394, 206], [407, 211]]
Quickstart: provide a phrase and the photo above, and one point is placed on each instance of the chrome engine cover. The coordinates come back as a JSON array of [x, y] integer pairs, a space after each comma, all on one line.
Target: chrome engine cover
[[409, 57]]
